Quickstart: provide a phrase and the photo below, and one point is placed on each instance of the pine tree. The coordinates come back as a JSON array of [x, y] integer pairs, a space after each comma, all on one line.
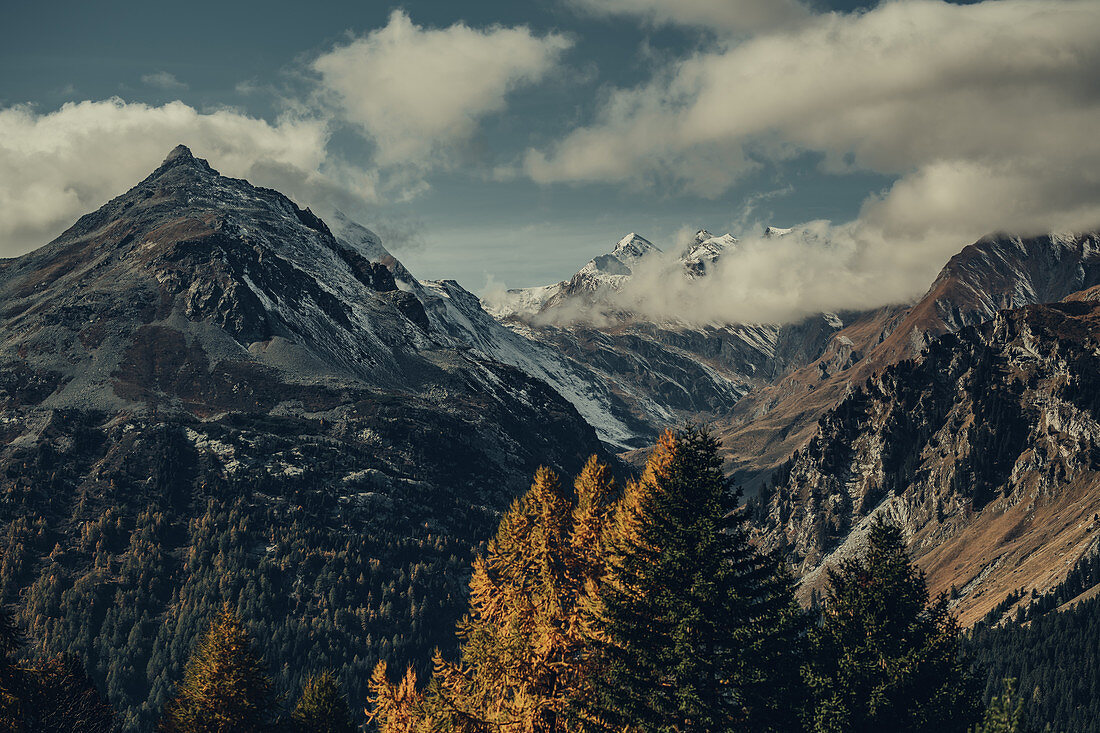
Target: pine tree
[[225, 685], [1005, 713], [885, 658], [695, 629], [322, 707]]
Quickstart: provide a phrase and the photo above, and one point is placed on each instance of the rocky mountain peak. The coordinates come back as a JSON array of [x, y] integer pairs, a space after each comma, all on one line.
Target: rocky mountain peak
[[633, 247], [704, 249], [180, 152], [181, 157]]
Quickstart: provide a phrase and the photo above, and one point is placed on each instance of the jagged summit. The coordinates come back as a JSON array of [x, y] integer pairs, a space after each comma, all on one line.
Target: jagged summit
[[703, 251], [609, 272], [181, 151], [633, 247], [180, 157]]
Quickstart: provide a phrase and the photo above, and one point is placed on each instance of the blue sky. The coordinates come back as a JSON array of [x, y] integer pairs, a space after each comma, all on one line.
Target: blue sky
[[519, 177]]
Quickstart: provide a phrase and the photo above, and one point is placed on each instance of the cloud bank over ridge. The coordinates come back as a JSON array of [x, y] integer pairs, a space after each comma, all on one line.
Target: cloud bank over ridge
[[982, 116], [986, 114]]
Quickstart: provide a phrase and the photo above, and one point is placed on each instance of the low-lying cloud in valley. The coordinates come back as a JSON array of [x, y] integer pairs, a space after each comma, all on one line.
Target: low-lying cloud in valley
[[766, 279]]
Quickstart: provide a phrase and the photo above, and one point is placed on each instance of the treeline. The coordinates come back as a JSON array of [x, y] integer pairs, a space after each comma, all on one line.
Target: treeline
[[1054, 655], [126, 573], [225, 688], [649, 610], [594, 608]]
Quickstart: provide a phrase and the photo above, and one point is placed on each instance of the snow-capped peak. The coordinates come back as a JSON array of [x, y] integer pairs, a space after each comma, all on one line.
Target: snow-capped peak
[[705, 249], [777, 231], [632, 247]]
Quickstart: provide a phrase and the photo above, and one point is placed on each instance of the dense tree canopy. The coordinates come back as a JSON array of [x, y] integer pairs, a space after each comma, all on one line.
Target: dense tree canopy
[[884, 658], [593, 608]]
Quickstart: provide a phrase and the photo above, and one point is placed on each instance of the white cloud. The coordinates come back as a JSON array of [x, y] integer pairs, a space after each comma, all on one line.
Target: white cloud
[[724, 15], [163, 80], [417, 92], [986, 113], [59, 165]]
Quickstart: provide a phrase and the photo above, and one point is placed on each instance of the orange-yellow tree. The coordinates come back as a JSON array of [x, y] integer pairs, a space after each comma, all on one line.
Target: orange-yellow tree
[[523, 664]]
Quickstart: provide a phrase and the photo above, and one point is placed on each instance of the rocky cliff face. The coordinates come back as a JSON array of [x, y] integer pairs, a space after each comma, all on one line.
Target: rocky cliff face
[[986, 448], [197, 296], [766, 427]]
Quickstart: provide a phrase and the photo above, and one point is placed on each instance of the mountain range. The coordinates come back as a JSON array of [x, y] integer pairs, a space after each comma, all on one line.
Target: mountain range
[[210, 395], [914, 411]]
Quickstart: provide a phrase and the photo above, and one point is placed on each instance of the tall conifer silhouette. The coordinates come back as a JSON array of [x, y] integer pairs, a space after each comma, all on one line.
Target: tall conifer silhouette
[[695, 629], [885, 658]]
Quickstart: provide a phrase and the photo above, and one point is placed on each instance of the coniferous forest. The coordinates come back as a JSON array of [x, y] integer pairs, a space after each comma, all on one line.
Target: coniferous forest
[[595, 607]]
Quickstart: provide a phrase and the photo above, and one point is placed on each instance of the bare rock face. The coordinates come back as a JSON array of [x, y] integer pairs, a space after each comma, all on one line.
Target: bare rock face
[[157, 299], [764, 429], [986, 448]]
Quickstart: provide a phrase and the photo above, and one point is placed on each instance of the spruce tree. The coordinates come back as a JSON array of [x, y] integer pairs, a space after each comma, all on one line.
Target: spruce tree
[[321, 707], [884, 658], [1005, 713], [695, 629], [225, 684]]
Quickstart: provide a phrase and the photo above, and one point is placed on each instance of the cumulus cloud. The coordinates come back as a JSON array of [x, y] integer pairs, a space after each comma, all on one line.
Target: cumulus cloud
[[418, 92], [986, 113], [725, 15], [163, 80], [58, 165]]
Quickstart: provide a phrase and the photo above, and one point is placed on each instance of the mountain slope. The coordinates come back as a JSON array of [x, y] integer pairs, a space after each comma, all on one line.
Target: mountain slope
[[986, 449], [994, 273], [207, 396]]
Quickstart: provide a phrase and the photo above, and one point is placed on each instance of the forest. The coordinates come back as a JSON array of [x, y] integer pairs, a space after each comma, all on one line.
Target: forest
[[595, 607]]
